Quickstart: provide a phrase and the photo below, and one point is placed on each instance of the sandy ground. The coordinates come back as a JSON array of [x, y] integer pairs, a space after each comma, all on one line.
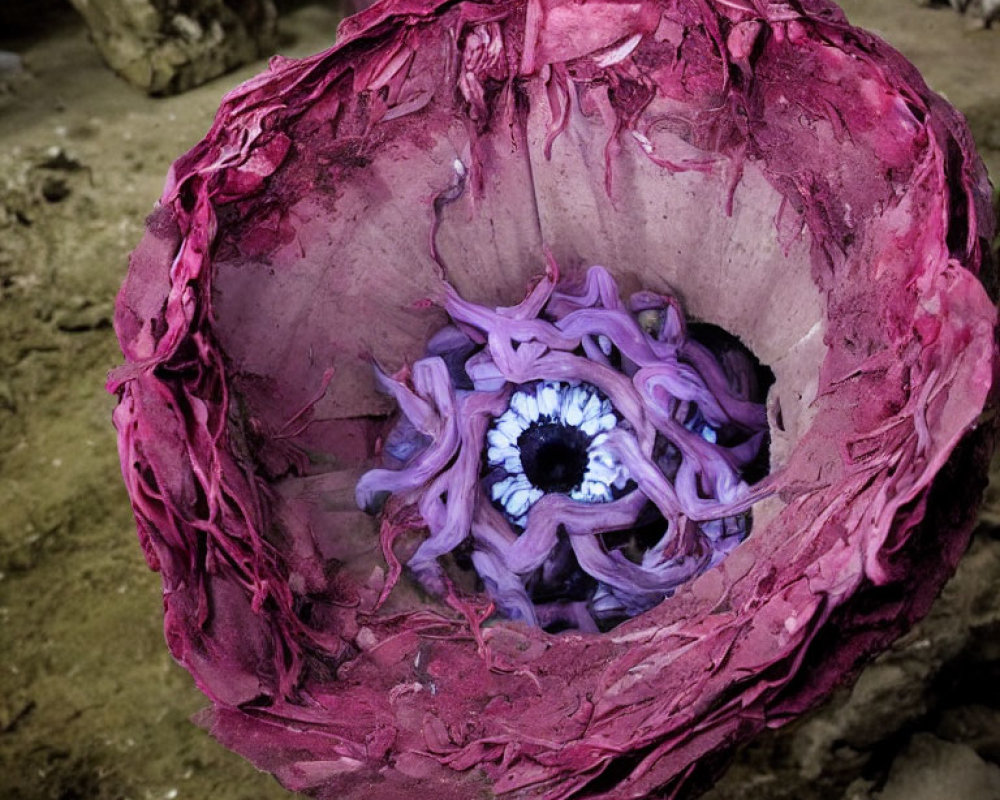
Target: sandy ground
[[91, 705]]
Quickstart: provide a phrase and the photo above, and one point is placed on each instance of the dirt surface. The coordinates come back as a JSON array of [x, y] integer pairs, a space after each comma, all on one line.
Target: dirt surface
[[91, 705]]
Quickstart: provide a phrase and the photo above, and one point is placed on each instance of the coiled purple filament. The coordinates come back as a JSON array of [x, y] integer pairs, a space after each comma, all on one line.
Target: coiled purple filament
[[585, 456]]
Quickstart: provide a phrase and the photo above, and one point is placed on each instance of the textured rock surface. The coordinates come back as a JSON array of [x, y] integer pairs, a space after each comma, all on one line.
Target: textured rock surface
[[931, 700], [168, 46], [983, 12], [930, 769]]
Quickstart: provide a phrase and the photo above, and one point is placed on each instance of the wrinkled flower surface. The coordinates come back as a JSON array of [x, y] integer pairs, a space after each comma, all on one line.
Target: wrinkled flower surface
[[789, 179], [573, 441]]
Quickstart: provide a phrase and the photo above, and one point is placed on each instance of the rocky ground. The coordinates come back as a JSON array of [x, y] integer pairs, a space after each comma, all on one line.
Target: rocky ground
[[91, 706]]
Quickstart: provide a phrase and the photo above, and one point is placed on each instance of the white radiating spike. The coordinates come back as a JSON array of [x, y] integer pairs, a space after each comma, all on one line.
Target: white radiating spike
[[518, 402], [574, 408], [498, 439], [520, 483], [564, 402], [604, 473], [496, 455], [593, 408], [548, 400], [500, 487], [531, 404], [608, 421], [590, 426], [604, 343], [518, 502], [709, 434], [510, 428], [574, 414], [513, 464]]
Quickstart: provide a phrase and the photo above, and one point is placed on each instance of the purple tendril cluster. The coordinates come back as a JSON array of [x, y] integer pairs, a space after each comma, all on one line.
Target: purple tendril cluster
[[583, 454]]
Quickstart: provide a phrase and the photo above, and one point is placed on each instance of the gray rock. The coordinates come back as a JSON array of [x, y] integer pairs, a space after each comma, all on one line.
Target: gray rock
[[168, 46], [976, 725], [983, 12], [896, 690], [925, 683], [932, 769]]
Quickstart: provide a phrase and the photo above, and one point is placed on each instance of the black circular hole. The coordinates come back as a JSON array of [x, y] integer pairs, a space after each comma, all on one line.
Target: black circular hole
[[554, 457]]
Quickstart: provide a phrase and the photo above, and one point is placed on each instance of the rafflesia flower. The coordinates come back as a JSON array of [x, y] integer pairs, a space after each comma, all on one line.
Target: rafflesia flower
[[538, 399]]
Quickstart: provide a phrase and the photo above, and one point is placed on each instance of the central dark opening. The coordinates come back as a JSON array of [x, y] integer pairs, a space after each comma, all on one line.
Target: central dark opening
[[553, 456]]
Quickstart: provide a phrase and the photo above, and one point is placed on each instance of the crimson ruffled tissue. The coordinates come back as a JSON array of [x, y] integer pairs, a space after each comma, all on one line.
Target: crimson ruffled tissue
[[538, 399]]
